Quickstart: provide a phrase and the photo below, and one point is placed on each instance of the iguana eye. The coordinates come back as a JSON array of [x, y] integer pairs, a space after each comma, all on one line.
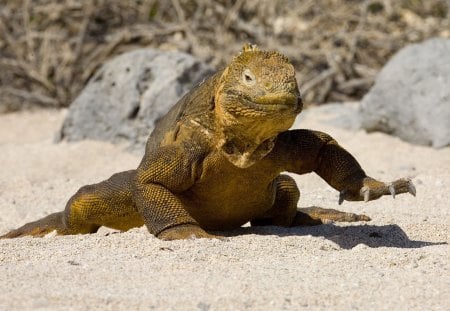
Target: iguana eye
[[248, 77]]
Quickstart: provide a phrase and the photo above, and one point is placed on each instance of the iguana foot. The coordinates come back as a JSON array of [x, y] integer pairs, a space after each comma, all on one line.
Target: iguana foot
[[37, 228], [21, 232], [311, 216], [373, 189], [184, 232]]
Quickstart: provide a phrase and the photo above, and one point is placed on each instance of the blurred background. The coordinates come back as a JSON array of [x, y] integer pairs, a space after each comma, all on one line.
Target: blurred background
[[50, 49]]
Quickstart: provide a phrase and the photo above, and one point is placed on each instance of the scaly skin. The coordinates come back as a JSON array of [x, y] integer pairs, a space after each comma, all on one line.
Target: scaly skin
[[214, 163]]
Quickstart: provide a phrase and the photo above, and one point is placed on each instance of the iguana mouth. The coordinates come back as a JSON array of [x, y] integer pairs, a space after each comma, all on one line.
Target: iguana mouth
[[279, 100], [267, 103]]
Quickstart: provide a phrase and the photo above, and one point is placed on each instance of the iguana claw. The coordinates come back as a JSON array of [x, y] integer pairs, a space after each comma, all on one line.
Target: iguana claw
[[411, 188], [341, 197], [366, 193], [391, 189], [373, 189]]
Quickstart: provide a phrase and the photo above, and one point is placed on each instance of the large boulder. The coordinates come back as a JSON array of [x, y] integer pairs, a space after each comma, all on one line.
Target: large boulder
[[411, 95], [127, 95]]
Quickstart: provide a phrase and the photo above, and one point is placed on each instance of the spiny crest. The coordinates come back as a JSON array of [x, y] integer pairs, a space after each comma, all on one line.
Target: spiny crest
[[252, 54], [248, 47]]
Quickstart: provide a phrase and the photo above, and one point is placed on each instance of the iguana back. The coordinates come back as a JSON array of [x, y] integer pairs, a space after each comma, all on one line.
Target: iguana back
[[196, 105]]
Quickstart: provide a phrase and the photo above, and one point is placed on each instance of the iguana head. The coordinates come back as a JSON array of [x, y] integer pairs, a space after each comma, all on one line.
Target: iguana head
[[257, 98]]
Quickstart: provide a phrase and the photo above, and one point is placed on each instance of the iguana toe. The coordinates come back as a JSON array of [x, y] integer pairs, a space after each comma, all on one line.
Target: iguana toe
[[402, 185], [318, 215]]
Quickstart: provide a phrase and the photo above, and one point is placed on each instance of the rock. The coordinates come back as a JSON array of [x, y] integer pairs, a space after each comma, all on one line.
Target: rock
[[411, 95], [127, 95], [342, 115]]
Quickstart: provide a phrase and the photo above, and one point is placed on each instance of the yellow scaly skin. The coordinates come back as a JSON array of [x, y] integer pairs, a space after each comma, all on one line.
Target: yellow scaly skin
[[214, 163]]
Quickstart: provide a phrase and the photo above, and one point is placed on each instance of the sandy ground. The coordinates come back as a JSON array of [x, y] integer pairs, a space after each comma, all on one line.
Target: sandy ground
[[400, 260]]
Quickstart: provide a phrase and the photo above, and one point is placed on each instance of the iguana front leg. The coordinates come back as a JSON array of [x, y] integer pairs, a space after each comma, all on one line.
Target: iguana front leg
[[304, 151], [161, 176], [164, 214]]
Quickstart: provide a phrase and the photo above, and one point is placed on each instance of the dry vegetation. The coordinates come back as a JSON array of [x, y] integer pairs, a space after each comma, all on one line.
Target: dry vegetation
[[50, 49]]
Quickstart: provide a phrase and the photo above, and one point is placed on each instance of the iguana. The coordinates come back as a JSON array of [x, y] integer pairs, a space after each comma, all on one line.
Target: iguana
[[215, 162]]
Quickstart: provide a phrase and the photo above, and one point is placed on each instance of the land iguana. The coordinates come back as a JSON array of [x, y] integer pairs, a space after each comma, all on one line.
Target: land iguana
[[215, 162]]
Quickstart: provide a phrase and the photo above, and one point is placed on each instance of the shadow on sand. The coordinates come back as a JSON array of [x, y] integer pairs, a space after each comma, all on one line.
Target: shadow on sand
[[346, 237]]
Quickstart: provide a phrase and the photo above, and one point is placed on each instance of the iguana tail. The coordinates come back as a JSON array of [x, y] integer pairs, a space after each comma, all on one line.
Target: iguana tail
[[39, 228]]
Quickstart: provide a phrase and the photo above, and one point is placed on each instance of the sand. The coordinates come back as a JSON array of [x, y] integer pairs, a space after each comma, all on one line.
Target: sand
[[400, 260]]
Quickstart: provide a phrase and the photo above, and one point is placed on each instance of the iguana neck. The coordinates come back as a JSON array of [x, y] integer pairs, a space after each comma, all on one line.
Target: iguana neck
[[243, 152]]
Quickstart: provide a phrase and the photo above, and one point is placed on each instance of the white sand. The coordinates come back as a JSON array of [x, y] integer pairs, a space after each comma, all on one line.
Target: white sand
[[397, 261]]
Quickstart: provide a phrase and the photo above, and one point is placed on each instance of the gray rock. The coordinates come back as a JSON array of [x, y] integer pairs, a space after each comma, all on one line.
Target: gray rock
[[342, 115], [411, 95], [127, 95]]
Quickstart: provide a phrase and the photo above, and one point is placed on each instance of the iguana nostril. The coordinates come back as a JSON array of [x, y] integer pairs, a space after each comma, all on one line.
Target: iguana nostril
[[268, 85]]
